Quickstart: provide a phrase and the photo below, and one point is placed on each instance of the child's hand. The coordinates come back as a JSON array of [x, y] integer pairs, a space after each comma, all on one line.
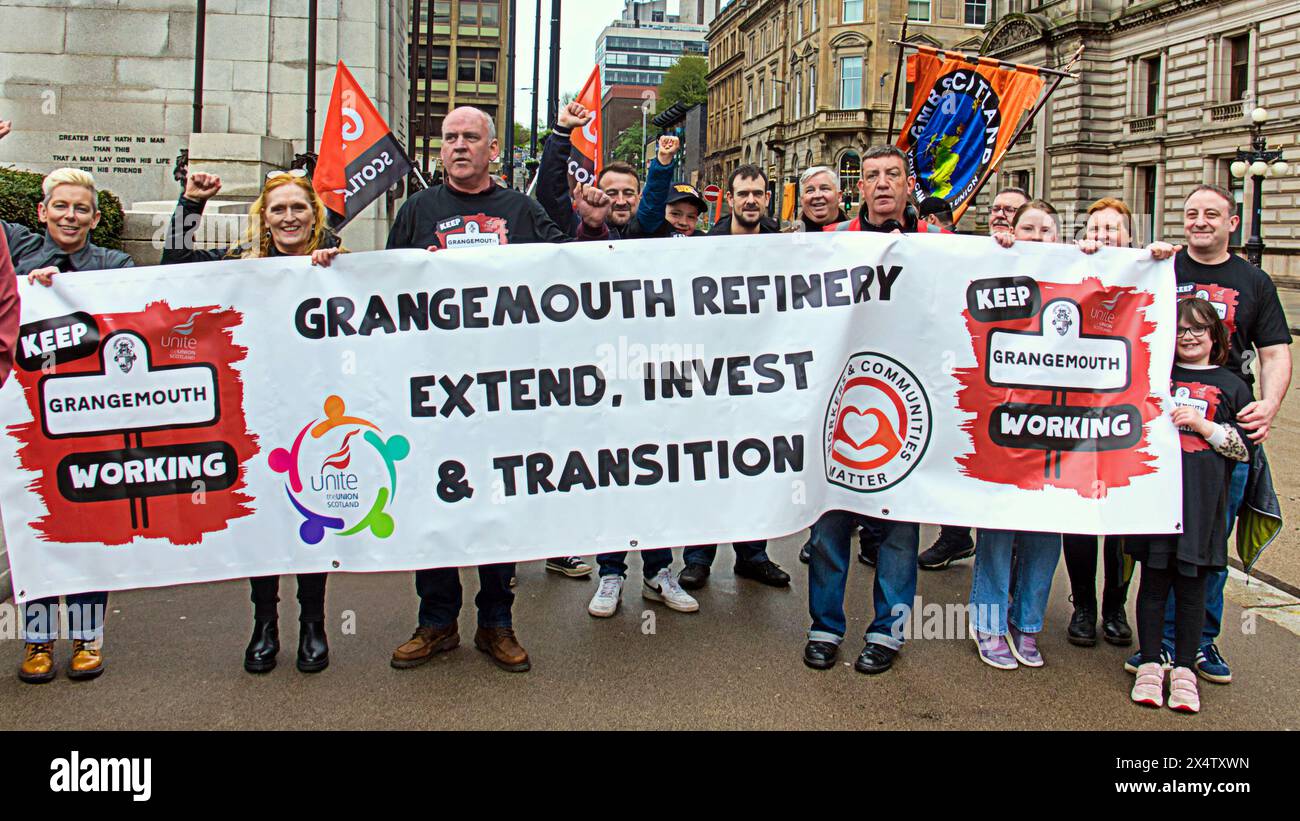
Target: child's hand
[[668, 147], [1193, 420]]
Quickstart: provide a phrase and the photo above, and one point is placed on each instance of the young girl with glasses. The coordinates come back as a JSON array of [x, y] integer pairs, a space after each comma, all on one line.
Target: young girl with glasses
[[1206, 398]]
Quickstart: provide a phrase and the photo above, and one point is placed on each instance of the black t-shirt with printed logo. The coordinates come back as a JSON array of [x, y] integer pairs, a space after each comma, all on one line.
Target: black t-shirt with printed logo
[[446, 218], [1218, 394], [1246, 300]]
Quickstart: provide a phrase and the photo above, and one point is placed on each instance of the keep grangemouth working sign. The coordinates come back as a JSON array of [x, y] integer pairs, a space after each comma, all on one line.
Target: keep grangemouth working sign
[[403, 409]]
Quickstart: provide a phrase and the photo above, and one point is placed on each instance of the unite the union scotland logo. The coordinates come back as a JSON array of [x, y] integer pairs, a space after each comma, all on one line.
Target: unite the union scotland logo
[[337, 482]]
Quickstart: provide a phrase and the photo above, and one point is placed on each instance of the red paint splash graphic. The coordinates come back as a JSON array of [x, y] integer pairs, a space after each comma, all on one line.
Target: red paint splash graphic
[[175, 337], [1205, 398], [1112, 312]]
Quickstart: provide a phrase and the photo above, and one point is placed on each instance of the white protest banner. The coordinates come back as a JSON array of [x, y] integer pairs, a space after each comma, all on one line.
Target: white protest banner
[[403, 409]]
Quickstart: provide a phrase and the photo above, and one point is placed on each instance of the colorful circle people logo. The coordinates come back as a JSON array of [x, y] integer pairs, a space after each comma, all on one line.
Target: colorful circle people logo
[[877, 424], [341, 475]]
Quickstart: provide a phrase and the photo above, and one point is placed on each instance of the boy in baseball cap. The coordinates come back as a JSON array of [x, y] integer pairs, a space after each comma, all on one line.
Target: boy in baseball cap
[[683, 208]]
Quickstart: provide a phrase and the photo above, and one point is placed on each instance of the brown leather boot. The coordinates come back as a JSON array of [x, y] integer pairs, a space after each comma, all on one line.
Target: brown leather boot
[[38, 662], [87, 660], [501, 645], [424, 644]]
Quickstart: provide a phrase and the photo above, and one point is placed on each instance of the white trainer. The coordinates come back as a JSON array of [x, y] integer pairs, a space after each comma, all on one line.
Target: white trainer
[[664, 588], [608, 594]]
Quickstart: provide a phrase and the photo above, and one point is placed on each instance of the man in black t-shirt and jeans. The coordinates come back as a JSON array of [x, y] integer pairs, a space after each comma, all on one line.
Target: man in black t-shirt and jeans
[[1247, 300], [470, 210]]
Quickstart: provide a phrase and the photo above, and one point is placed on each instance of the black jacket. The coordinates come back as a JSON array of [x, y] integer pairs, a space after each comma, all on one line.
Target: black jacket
[[553, 185], [30, 251], [766, 225]]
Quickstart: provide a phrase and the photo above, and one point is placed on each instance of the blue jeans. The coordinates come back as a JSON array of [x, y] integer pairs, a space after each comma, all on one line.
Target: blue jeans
[[745, 551], [85, 617], [652, 561], [1215, 579], [440, 595], [828, 574], [1036, 557]]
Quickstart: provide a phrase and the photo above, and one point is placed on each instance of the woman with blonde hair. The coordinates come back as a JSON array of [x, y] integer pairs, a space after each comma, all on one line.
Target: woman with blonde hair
[[286, 219]]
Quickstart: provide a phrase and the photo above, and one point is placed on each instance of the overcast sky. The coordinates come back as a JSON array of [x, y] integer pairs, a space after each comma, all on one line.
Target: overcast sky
[[581, 21]]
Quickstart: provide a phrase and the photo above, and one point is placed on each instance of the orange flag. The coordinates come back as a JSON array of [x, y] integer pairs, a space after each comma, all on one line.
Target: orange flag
[[588, 141], [359, 158], [963, 114]]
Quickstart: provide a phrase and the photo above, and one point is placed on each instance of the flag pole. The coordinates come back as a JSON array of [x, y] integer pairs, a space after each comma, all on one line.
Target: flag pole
[[1015, 135], [898, 69]]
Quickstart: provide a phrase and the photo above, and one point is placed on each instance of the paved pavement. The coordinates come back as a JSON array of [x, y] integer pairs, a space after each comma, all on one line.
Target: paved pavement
[[174, 661]]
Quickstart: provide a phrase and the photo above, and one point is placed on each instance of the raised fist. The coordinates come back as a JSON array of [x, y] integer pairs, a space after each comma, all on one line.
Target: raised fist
[[574, 115], [201, 187], [593, 205], [668, 148]]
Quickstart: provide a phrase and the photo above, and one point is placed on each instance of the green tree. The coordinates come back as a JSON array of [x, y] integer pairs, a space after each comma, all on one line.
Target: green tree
[[523, 137], [629, 145], [684, 83]]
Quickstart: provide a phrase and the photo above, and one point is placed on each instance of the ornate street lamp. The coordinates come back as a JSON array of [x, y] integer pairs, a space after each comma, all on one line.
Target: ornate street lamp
[[1258, 162]]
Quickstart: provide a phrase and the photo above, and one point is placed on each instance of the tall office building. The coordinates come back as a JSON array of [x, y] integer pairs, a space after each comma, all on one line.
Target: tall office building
[[459, 51], [648, 38]]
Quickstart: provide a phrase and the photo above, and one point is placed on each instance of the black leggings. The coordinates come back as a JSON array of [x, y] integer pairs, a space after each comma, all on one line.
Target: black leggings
[[311, 596], [1081, 563], [1189, 612]]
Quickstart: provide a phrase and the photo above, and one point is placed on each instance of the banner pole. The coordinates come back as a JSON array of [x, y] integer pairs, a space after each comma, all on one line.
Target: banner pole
[[1015, 135], [898, 69]]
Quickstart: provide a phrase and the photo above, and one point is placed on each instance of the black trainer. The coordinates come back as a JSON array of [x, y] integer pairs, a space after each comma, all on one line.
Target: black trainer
[[693, 576], [1083, 627], [868, 551], [572, 566], [768, 572], [953, 544], [805, 552]]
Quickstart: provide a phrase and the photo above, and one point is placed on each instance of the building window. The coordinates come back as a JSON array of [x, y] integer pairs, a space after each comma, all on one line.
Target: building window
[[1146, 197], [813, 25], [918, 11], [799, 22], [489, 13], [762, 90], [1238, 66], [776, 99], [812, 89], [850, 82], [977, 12], [850, 173], [749, 99], [439, 63], [469, 12], [1151, 85], [798, 96], [852, 11], [442, 12], [436, 113]]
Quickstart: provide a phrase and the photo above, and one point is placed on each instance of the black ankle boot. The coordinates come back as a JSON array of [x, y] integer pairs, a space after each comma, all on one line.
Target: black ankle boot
[[260, 655], [313, 649]]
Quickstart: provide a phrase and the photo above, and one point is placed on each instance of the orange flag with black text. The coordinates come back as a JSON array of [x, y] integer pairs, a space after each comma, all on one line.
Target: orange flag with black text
[[358, 158], [963, 114], [588, 142]]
